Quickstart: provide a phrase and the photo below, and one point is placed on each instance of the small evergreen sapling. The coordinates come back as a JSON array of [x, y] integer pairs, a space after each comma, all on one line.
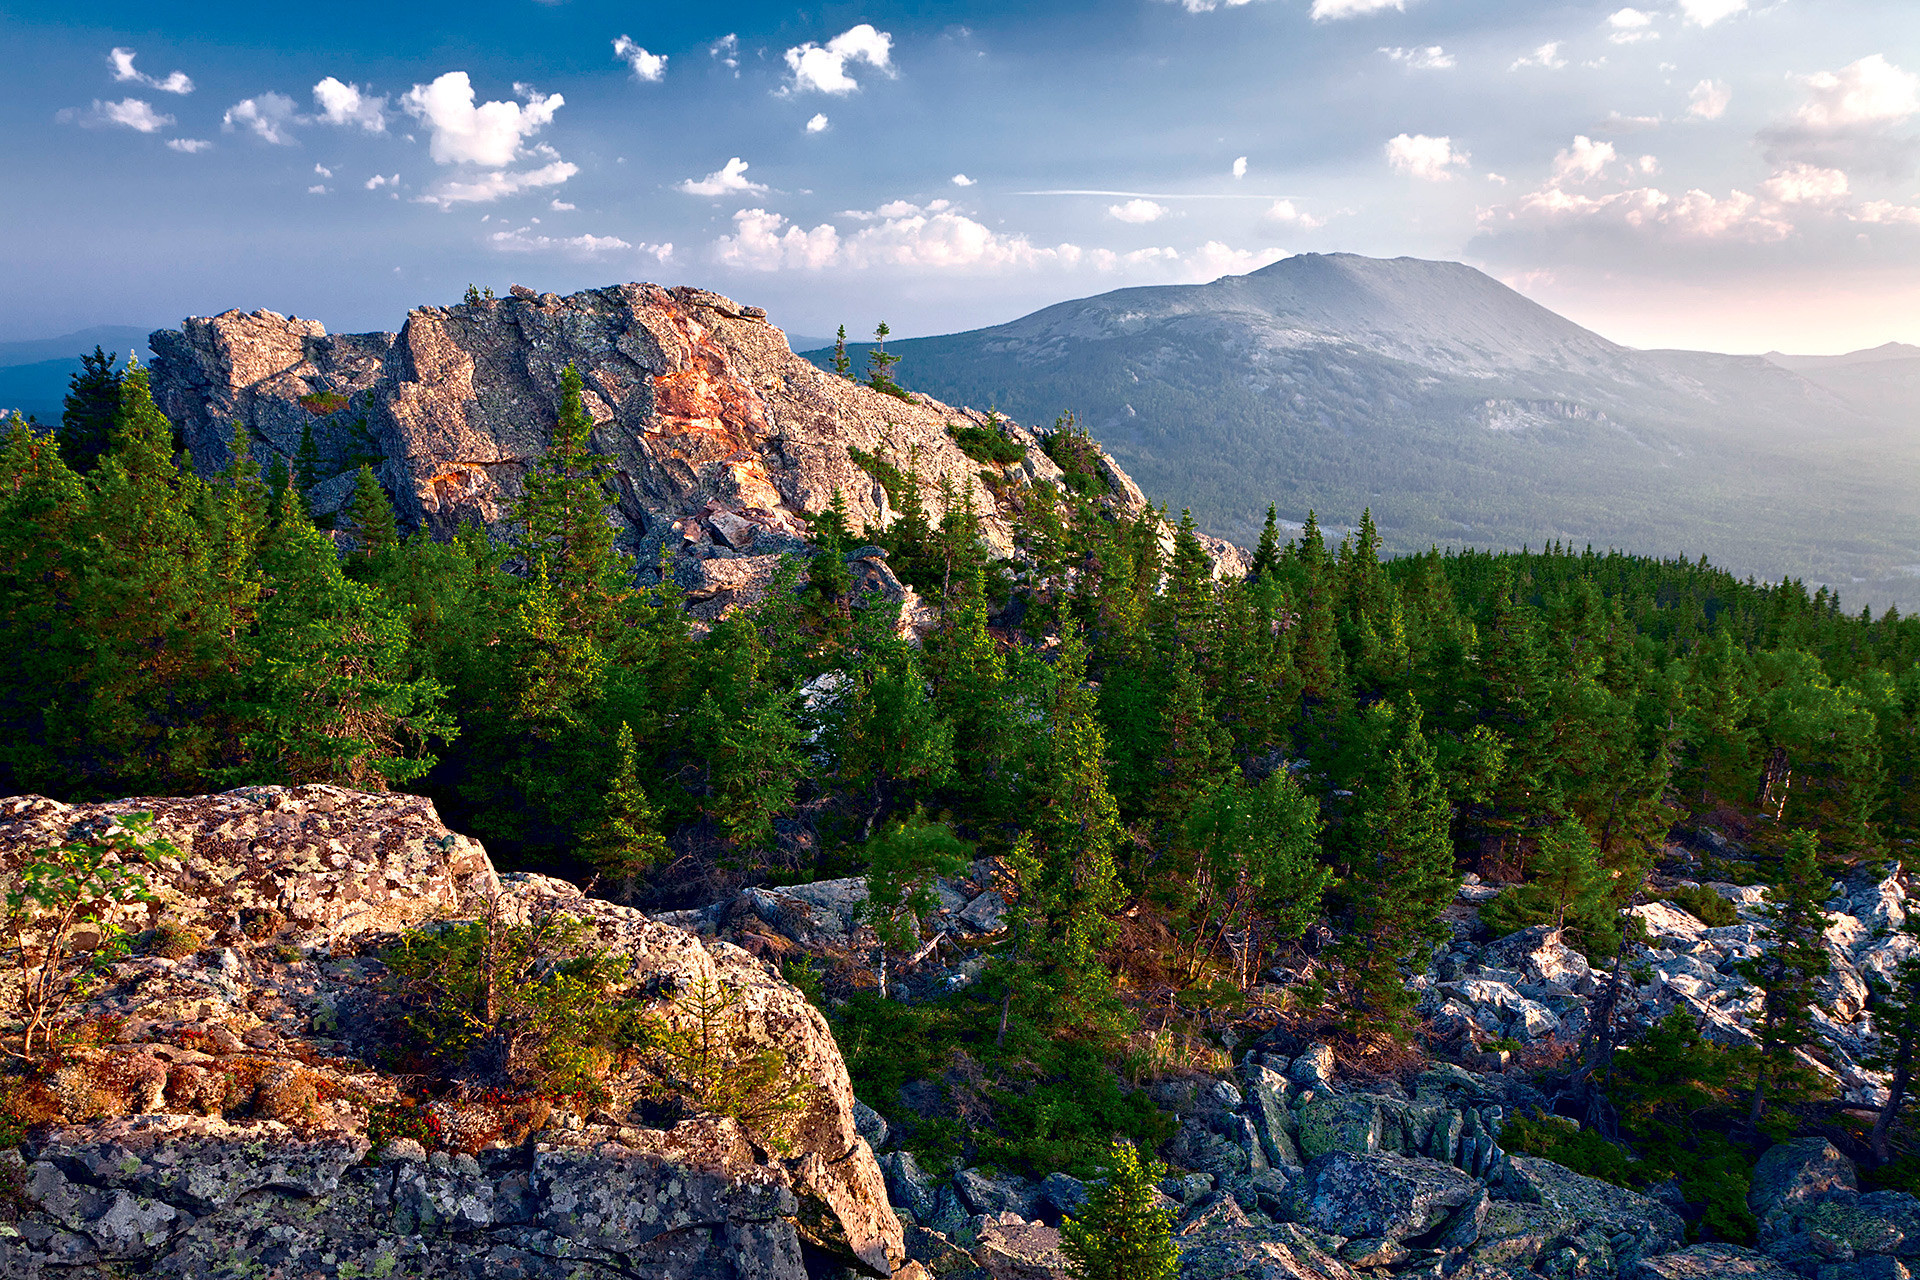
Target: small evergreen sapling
[[1123, 1234], [841, 361], [1786, 973]]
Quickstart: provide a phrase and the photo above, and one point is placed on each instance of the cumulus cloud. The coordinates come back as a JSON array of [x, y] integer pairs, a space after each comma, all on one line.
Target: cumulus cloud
[[1646, 211], [488, 187], [128, 113], [1887, 212], [1707, 12], [1806, 184], [377, 181], [271, 117], [561, 206], [345, 104], [489, 134], [1431, 58], [1430, 159], [323, 171], [726, 51], [1630, 26], [962, 180], [1334, 10], [1708, 100], [525, 240], [762, 241], [1287, 214], [1137, 211], [1850, 119], [192, 146], [1584, 161], [121, 60], [729, 179], [818, 124], [1240, 167], [1547, 55], [823, 68], [648, 67]]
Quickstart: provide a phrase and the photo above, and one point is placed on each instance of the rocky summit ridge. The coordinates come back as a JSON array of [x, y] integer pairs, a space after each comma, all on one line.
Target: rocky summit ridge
[[722, 441]]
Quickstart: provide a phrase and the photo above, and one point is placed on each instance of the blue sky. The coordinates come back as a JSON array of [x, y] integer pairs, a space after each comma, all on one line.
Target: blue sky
[[1723, 174]]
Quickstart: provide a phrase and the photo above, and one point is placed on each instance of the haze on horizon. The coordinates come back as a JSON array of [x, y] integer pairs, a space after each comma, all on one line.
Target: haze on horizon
[[1735, 175]]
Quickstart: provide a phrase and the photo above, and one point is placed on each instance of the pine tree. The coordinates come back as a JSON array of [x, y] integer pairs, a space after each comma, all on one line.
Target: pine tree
[[564, 522], [306, 462], [880, 362], [1567, 888], [1123, 1233], [371, 526], [1786, 973], [1896, 1016], [626, 841], [841, 361], [86, 418], [1266, 555]]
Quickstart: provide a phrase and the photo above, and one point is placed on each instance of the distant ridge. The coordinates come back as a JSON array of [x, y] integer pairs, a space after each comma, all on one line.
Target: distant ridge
[[1461, 412]]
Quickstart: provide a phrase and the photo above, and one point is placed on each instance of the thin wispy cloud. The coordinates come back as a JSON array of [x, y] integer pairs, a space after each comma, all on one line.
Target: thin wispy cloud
[[124, 72]]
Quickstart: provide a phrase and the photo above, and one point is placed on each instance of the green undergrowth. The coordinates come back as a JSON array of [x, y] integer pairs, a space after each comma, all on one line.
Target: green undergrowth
[[1034, 1105], [1704, 905]]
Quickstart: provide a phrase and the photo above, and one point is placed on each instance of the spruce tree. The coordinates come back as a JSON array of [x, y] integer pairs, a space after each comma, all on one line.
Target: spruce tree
[[86, 418], [371, 526], [626, 840], [563, 516], [1896, 1016], [306, 462], [1567, 888], [1266, 554], [880, 362], [841, 361], [1122, 1233], [1786, 974]]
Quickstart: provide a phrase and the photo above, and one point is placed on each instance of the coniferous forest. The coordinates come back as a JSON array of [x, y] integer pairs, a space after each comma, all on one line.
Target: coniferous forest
[[1188, 779]]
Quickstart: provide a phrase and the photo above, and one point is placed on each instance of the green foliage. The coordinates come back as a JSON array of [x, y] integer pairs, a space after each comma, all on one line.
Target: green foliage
[[1564, 1142], [532, 1005], [1076, 454], [63, 946], [879, 363], [1786, 973], [902, 863], [626, 841], [1704, 905], [1567, 888], [841, 361], [987, 444], [86, 419], [705, 1065], [1123, 1233]]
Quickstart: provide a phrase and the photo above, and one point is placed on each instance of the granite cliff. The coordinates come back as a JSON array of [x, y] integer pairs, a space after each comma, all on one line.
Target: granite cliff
[[722, 440]]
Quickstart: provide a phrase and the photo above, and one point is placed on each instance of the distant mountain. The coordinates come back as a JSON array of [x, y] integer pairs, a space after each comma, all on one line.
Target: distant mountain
[[34, 373], [1461, 413]]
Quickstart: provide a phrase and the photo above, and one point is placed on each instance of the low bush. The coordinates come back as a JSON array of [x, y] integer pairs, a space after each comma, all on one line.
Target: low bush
[[1704, 905], [984, 444]]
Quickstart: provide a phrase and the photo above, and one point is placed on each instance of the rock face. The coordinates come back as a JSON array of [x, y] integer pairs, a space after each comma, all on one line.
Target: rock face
[[721, 439], [224, 1116]]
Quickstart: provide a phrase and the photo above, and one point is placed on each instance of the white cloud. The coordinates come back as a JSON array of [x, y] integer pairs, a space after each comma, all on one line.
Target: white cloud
[[128, 113], [1333, 10], [962, 180], [561, 206], [823, 68], [1430, 159], [1287, 214], [1806, 184], [818, 124], [732, 178], [192, 146], [649, 67], [523, 240], [1645, 213], [1850, 119], [1630, 26], [1547, 55], [323, 171], [1886, 211], [270, 116], [1137, 211], [376, 182], [726, 51], [759, 243], [344, 104], [1431, 58], [1218, 259], [1707, 12], [121, 60], [1240, 167], [1870, 91], [317, 190], [1618, 123], [1208, 6], [1584, 161], [489, 134], [1708, 100], [488, 187]]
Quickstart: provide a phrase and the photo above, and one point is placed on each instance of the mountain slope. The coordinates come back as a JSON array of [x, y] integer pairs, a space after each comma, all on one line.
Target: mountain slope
[[1461, 412], [34, 373]]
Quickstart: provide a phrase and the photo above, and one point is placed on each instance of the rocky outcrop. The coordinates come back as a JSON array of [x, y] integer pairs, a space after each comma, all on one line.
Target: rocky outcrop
[[229, 1106], [721, 439]]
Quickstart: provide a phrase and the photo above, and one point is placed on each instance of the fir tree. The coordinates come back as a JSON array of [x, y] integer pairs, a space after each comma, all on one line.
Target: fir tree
[[880, 362], [86, 418], [306, 462], [1266, 554], [370, 524], [1567, 888], [841, 361], [626, 840], [1786, 974], [564, 524], [1122, 1233]]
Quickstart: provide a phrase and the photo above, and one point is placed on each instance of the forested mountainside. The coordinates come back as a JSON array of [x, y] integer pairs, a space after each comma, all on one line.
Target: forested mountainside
[[1463, 414], [1052, 812]]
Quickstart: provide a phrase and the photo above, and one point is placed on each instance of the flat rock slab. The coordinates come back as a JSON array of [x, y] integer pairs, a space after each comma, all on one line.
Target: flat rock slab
[[1708, 1262], [1389, 1197]]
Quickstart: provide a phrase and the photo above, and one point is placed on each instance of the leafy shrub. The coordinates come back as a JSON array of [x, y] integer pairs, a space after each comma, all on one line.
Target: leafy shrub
[[985, 444], [62, 946], [322, 403], [174, 941], [1076, 454], [532, 1004], [704, 1066], [1564, 1142], [1704, 905]]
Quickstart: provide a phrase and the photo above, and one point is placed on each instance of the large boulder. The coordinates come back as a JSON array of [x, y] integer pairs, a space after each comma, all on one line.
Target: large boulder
[[1634, 1226], [1542, 954], [237, 1103], [1286, 1251], [1383, 1196], [1708, 1262], [1792, 1175]]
